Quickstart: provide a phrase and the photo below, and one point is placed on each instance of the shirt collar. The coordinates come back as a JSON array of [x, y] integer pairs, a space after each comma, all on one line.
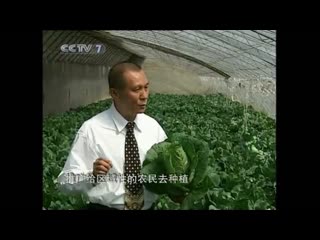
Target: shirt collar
[[121, 122]]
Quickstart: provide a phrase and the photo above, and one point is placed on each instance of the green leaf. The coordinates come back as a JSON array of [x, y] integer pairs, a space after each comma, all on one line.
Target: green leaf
[[198, 155], [241, 204], [212, 207], [261, 205], [189, 202], [252, 170], [214, 177]]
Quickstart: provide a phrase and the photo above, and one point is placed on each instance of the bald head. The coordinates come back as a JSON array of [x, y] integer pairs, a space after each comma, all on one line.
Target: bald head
[[117, 72]]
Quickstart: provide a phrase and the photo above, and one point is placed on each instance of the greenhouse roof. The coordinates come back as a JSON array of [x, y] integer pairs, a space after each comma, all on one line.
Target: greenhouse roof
[[220, 53]]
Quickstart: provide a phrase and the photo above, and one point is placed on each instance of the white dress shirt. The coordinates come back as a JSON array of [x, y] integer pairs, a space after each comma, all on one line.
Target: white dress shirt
[[103, 136]]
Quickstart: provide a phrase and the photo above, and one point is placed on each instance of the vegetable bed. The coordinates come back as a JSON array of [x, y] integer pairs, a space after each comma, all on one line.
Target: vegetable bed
[[239, 142]]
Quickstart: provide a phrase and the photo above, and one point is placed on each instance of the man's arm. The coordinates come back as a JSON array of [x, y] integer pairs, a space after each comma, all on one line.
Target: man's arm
[[162, 136], [76, 176]]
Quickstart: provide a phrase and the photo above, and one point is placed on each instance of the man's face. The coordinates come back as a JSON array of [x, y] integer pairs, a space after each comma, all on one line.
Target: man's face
[[133, 97]]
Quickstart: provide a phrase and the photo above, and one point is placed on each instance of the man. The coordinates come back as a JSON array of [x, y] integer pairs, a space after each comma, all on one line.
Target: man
[[113, 144]]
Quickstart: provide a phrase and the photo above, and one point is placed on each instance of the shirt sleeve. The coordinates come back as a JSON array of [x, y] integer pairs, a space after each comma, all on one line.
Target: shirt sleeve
[[162, 136], [76, 175]]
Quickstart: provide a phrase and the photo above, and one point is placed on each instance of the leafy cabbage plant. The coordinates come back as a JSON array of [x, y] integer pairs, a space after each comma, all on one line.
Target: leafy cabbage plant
[[178, 167]]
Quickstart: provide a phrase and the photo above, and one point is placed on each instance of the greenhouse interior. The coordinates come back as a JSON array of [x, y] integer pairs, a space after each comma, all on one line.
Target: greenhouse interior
[[213, 92]]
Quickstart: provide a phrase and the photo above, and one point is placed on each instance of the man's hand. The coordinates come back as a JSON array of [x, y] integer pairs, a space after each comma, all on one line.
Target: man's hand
[[101, 166]]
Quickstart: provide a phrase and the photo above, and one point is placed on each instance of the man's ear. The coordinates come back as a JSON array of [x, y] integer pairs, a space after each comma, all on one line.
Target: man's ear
[[114, 93]]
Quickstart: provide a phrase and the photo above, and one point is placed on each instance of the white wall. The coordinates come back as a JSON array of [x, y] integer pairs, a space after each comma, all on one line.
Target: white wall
[[69, 85]]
